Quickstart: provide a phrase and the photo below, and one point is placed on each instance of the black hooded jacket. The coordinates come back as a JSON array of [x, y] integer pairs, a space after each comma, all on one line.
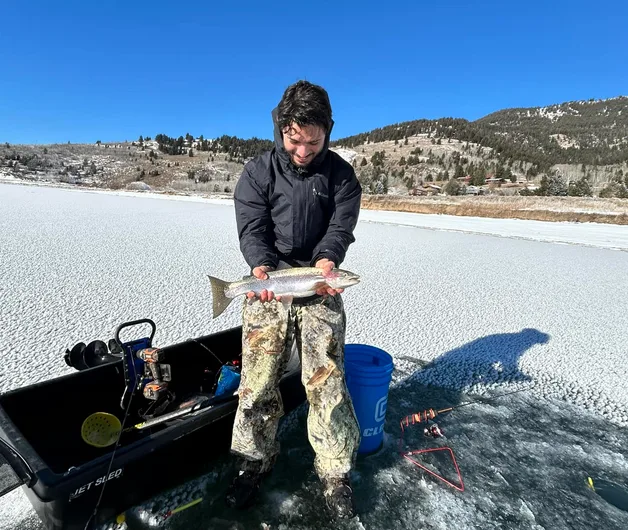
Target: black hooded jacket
[[295, 215]]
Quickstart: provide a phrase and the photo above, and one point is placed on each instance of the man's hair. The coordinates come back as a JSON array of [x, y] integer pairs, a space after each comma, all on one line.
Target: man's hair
[[304, 103]]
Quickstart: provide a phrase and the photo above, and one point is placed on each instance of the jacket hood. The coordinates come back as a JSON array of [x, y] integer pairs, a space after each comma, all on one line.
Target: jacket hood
[[284, 157]]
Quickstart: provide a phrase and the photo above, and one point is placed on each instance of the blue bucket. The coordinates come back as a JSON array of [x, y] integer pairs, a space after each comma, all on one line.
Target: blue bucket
[[368, 372]]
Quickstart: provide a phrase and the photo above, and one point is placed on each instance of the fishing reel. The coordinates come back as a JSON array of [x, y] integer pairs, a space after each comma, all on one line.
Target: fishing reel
[[433, 430]]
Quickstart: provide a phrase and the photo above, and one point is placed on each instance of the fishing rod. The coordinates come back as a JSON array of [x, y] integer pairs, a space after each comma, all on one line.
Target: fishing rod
[[432, 429], [429, 414]]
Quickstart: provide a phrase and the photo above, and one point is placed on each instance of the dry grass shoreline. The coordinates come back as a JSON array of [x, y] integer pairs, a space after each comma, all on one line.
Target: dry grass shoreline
[[557, 209]]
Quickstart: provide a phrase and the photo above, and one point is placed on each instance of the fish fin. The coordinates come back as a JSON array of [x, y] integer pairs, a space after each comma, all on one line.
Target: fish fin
[[219, 300], [320, 285], [286, 300]]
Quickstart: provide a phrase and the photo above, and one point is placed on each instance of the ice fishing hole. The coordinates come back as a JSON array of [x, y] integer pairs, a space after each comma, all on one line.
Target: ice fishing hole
[[613, 493]]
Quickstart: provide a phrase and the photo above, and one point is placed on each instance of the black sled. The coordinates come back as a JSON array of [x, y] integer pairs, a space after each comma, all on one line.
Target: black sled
[[42, 448]]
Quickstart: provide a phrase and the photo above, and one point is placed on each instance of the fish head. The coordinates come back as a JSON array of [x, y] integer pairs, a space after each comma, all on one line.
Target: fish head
[[341, 279]]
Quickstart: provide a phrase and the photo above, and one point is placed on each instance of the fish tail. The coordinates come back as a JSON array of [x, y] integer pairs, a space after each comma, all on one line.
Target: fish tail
[[219, 299]]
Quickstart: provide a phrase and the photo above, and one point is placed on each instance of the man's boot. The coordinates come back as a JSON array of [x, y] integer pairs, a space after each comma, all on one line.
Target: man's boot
[[339, 497], [243, 490]]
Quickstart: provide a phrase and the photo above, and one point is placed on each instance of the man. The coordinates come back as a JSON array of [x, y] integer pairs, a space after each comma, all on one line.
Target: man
[[296, 205]]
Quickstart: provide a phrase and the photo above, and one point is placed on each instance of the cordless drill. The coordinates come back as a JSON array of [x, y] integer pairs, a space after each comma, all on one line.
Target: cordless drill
[[159, 372]]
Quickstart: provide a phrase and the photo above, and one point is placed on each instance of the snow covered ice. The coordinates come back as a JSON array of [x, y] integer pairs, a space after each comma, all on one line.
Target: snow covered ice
[[468, 308]]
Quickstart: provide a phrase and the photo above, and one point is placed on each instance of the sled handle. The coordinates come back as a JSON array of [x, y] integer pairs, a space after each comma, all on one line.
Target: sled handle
[[135, 323], [19, 465]]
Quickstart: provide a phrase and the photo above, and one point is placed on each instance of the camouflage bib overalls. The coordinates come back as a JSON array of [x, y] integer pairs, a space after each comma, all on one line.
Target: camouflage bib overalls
[[269, 329]]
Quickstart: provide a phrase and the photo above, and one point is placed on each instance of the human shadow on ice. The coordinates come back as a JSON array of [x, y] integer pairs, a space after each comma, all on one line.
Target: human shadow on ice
[[493, 359]]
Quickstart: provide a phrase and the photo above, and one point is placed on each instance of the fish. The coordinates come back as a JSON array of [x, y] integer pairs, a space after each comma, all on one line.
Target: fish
[[296, 282]]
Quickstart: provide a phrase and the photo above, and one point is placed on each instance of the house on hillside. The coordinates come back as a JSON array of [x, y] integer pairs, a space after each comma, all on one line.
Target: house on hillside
[[426, 189], [417, 191], [473, 190]]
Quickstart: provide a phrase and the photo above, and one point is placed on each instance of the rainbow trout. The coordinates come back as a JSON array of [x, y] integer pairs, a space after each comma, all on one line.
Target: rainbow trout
[[297, 282]]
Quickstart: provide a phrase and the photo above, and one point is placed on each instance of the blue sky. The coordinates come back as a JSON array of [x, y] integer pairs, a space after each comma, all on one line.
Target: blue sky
[[87, 71]]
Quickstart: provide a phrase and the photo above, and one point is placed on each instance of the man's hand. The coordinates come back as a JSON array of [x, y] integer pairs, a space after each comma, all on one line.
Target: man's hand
[[327, 266], [260, 274]]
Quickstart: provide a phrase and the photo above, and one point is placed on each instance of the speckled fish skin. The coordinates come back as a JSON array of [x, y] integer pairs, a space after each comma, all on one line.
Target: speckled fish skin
[[297, 282]]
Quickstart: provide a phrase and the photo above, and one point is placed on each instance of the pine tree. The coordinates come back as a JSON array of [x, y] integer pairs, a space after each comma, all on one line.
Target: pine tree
[[554, 185], [479, 176], [378, 158], [580, 188], [452, 187]]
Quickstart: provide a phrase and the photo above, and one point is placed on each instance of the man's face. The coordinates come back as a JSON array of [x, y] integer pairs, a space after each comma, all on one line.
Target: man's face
[[303, 143]]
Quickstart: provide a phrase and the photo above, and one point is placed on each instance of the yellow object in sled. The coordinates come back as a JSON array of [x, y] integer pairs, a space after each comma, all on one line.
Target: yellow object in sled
[[101, 429]]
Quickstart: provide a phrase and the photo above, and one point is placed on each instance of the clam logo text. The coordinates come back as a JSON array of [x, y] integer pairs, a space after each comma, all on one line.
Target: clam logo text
[[380, 409]]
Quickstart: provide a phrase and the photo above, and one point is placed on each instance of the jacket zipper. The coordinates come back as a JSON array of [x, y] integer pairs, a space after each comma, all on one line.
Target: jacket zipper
[[317, 194], [303, 189]]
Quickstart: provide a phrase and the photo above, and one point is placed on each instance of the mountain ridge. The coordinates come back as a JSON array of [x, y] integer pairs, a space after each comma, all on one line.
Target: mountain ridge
[[510, 151]]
